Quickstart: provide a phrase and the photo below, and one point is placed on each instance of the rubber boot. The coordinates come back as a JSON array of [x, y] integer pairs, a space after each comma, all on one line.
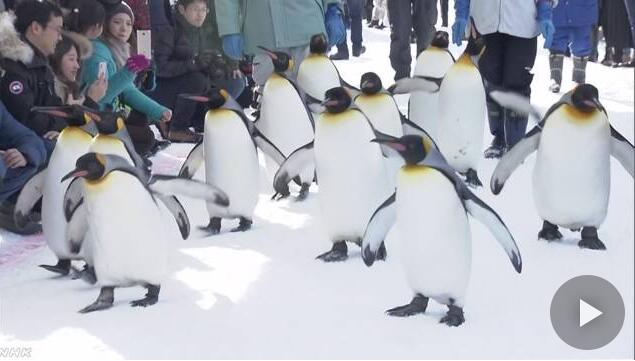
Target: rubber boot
[[555, 65], [579, 69]]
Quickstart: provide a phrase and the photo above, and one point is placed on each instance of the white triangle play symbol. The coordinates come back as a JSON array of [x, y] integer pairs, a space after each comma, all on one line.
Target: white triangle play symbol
[[588, 313]]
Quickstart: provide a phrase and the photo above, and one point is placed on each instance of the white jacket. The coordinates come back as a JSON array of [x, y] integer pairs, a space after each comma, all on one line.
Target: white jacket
[[513, 17]]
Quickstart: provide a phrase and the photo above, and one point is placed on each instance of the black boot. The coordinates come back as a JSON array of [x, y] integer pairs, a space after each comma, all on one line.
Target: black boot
[[579, 69], [549, 232], [338, 253], [495, 119], [609, 57], [555, 66], [515, 126], [590, 239]]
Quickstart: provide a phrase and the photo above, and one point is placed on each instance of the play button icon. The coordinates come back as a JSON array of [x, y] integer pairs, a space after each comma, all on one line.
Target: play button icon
[[587, 312]]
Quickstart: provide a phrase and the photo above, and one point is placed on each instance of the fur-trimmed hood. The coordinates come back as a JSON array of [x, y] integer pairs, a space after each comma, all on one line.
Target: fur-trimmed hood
[[11, 46]]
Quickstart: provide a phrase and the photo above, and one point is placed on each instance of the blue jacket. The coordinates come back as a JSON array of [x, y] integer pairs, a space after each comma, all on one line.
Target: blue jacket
[[575, 13], [15, 135], [120, 83]]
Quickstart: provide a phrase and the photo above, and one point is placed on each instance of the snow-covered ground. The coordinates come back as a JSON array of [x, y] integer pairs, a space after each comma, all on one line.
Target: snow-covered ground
[[261, 294]]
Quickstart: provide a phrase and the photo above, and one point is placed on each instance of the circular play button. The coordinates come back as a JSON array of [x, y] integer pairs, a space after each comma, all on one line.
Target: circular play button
[[587, 312]]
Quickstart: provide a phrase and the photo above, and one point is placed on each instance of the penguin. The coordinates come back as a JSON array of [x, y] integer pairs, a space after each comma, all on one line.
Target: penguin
[[231, 159], [351, 171], [434, 242], [284, 117], [73, 142], [129, 244], [572, 175], [434, 62], [317, 73]]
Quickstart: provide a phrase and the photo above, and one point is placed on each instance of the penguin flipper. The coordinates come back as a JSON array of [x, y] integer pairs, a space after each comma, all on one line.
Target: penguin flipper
[[488, 217], [411, 128], [30, 194], [377, 228], [73, 197], [76, 228], [414, 84], [170, 185], [267, 147], [516, 102], [295, 164], [623, 151], [178, 212], [512, 159], [192, 162]]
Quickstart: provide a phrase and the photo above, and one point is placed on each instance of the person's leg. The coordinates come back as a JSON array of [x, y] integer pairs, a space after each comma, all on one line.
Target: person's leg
[[556, 56], [519, 58], [14, 179], [355, 8], [424, 18], [491, 68], [139, 129], [400, 13], [444, 12], [581, 50], [167, 93]]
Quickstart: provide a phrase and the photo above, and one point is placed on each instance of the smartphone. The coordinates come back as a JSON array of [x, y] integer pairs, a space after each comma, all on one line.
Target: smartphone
[[103, 70], [144, 43]]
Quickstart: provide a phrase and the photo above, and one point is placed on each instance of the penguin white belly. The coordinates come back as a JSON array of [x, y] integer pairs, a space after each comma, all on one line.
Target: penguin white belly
[[423, 108], [108, 144], [351, 174], [462, 117], [231, 161], [71, 144], [316, 75], [128, 239], [284, 120], [571, 179], [434, 243], [384, 115]]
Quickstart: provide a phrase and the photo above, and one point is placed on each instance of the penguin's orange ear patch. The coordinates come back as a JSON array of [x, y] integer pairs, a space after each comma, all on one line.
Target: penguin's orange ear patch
[[291, 64], [120, 123]]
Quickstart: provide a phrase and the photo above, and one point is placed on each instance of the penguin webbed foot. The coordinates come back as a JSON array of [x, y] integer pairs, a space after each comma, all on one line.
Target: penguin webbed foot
[[244, 225], [304, 192], [150, 299], [549, 232], [213, 227], [419, 304], [280, 195], [63, 267], [590, 239], [87, 274], [104, 301], [338, 253], [471, 179], [454, 317]]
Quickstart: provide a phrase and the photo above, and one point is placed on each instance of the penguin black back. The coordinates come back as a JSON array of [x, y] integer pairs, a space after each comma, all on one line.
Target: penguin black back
[[370, 83]]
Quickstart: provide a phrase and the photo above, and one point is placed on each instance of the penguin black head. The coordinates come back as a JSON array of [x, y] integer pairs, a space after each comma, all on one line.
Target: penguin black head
[[75, 115], [370, 83], [108, 122], [441, 39], [337, 100], [281, 61], [586, 98], [215, 97], [91, 166], [318, 44], [410, 147]]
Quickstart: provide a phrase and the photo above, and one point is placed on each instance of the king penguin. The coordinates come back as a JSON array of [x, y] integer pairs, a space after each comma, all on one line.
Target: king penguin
[[433, 241], [284, 116], [113, 138], [572, 175], [351, 171], [434, 62], [73, 142], [231, 158], [128, 244], [317, 73]]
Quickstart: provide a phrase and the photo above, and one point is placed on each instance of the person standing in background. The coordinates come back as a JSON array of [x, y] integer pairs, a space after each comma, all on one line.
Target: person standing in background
[[355, 8]]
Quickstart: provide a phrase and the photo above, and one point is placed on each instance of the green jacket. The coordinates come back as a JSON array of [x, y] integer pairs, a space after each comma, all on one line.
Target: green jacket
[[274, 24]]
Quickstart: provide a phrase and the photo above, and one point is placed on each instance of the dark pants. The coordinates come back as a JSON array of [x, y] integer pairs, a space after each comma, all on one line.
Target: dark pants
[[506, 63], [630, 10], [13, 179], [167, 93], [355, 8], [139, 129], [368, 10], [444, 12], [404, 16]]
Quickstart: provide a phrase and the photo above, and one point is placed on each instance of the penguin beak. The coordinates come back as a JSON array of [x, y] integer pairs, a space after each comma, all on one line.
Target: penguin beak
[[74, 174], [367, 85], [196, 98], [594, 103], [270, 53], [396, 145], [329, 102], [60, 112]]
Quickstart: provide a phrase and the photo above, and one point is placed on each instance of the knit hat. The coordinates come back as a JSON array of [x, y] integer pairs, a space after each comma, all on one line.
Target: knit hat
[[120, 8]]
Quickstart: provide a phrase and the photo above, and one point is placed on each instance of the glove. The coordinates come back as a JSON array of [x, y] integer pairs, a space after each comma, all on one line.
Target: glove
[[462, 12], [137, 63], [334, 24], [233, 46], [544, 22]]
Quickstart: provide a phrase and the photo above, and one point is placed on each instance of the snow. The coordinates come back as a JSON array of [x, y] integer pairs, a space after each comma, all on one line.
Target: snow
[[262, 294]]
